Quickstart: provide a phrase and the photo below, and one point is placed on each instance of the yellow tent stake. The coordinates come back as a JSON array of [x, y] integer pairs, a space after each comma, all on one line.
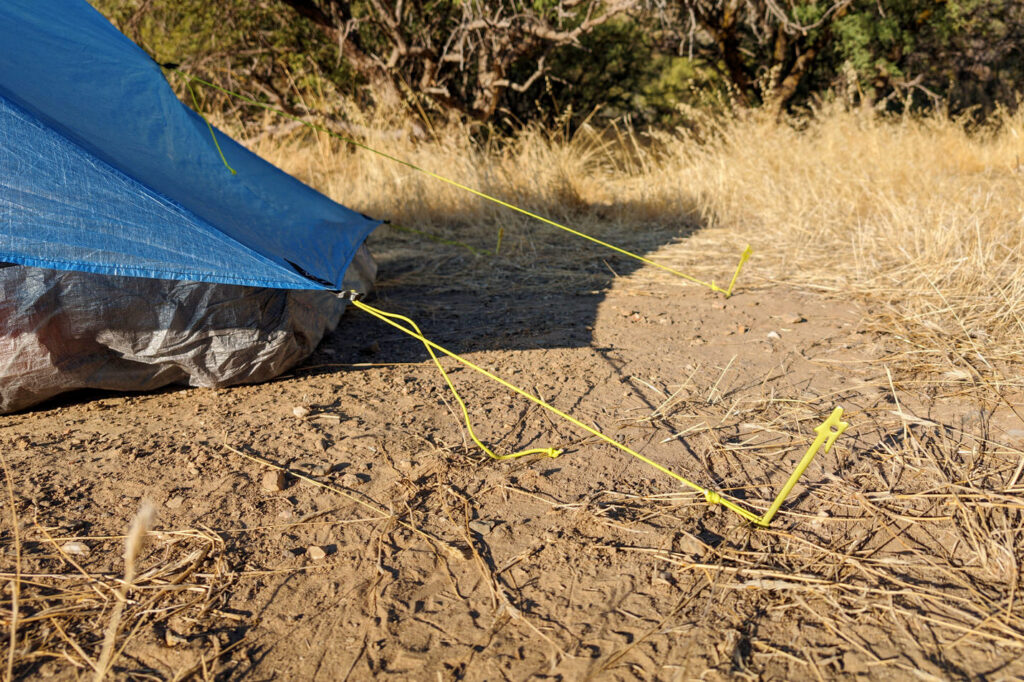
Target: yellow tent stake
[[710, 285], [825, 434], [828, 432], [744, 257]]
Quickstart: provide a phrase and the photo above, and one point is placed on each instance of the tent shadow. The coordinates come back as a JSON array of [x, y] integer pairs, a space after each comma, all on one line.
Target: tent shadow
[[543, 290]]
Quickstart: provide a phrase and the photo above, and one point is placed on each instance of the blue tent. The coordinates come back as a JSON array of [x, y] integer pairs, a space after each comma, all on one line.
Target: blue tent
[[103, 170]]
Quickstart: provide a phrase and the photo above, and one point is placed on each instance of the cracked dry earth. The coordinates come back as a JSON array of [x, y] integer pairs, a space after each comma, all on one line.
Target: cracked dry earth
[[392, 548]]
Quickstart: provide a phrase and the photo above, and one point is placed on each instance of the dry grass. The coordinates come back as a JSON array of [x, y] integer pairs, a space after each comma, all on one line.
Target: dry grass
[[85, 619], [914, 529], [917, 219], [918, 215]]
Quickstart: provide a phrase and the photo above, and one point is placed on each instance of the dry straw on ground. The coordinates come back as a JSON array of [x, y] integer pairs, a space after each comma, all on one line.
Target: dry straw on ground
[[917, 220], [916, 213], [920, 216]]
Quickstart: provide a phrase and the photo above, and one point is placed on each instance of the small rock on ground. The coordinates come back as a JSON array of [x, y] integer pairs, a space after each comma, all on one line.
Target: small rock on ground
[[75, 548], [482, 527], [274, 481]]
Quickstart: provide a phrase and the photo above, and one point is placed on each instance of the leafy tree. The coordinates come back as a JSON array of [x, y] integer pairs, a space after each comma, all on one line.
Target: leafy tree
[[236, 41], [551, 60], [467, 56], [778, 52]]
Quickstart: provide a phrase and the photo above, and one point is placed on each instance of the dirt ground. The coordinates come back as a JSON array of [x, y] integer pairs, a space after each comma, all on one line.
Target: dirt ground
[[394, 549]]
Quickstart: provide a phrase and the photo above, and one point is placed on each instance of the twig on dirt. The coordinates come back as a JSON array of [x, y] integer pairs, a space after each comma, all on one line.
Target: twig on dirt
[[132, 547], [15, 585], [710, 399]]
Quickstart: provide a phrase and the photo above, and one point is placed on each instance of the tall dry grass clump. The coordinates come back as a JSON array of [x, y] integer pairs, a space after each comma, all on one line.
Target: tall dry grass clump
[[919, 215]]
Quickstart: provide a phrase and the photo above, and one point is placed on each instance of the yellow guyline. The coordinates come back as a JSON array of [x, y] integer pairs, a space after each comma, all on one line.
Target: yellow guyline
[[827, 432], [710, 285]]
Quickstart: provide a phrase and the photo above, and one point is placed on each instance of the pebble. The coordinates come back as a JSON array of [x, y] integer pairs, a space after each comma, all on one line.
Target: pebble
[[172, 638], [663, 578], [273, 481], [174, 502], [773, 335], [300, 411], [482, 527], [315, 552], [793, 319], [685, 543], [350, 480], [75, 548]]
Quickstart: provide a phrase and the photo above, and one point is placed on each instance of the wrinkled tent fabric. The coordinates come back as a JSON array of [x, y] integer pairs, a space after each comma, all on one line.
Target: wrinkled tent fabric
[[63, 330], [103, 170], [74, 330], [139, 259]]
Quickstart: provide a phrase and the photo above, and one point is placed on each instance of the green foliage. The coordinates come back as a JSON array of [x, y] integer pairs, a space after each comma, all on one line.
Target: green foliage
[[257, 43], [960, 54], [866, 43], [607, 69], [930, 51], [683, 82], [619, 70]]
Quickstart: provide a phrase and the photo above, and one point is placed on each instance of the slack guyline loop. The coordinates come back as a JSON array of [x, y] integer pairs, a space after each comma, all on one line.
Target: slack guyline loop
[[827, 432]]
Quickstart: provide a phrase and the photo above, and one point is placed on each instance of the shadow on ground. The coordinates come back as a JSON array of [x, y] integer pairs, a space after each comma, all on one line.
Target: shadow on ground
[[543, 290]]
